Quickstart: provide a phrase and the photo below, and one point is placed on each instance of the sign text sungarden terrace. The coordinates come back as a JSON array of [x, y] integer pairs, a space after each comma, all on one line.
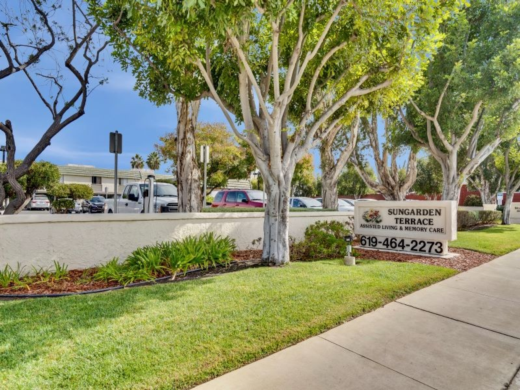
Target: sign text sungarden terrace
[[415, 226]]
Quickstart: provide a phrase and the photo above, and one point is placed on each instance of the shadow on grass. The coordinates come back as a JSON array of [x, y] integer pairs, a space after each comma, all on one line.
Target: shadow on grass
[[27, 327]]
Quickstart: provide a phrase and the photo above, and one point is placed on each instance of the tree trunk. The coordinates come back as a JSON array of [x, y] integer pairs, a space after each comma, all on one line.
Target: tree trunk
[[329, 192], [276, 245], [16, 204], [506, 212], [188, 172]]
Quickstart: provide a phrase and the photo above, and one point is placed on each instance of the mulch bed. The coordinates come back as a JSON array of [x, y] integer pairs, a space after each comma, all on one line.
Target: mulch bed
[[79, 281], [466, 260]]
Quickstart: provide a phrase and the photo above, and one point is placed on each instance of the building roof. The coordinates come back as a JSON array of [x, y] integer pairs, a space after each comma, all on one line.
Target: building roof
[[89, 171]]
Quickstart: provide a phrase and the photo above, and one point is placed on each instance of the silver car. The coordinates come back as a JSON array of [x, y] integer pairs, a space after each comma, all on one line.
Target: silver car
[[304, 202], [343, 204]]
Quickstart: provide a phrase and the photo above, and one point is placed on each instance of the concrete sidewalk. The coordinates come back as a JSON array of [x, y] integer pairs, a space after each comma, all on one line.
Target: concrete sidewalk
[[462, 333]]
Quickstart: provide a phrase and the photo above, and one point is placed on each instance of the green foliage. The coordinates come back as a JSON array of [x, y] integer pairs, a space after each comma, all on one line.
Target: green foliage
[[150, 262], [429, 177], [473, 201], [304, 179], [479, 58], [153, 161], [488, 217], [59, 190], [137, 162], [80, 191], [42, 174], [61, 206], [323, 240], [350, 183], [229, 159], [10, 276], [73, 191], [468, 219]]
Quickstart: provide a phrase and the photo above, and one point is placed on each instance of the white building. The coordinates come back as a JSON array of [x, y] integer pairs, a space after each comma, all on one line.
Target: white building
[[102, 180]]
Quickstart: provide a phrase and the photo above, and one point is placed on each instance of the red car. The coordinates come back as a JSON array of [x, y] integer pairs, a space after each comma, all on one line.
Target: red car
[[239, 198]]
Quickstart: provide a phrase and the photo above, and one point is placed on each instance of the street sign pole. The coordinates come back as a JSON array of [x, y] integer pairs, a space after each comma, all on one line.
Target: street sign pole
[[204, 158], [116, 147], [116, 199]]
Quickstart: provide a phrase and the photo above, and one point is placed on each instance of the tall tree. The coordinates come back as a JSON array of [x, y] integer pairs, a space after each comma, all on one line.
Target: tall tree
[[335, 151], [137, 162], [41, 175], [471, 98], [351, 184], [228, 159], [153, 161], [392, 181], [160, 82], [265, 62], [28, 35], [487, 179], [429, 178], [304, 179], [508, 162]]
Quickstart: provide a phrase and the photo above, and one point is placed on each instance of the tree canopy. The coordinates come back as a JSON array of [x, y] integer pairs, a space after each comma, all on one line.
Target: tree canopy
[[228, 159]]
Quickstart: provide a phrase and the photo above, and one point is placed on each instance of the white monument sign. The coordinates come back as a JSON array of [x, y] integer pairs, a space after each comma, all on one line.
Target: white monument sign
[[420, 227], [514, 216]]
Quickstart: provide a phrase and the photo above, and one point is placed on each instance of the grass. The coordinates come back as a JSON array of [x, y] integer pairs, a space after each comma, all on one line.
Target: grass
[[497, 240], [177, 335]]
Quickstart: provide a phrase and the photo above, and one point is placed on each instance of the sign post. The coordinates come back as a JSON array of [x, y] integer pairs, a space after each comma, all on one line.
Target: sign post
[[418, 227], [204, 158], [116, 147]]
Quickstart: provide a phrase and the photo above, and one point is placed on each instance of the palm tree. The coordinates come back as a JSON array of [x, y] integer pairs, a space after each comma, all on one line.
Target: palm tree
[[137, 162], [153, 161]]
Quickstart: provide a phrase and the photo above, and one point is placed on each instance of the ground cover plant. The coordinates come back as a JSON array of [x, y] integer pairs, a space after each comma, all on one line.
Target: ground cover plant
[[497, 240], [178, 335], [143, 264]]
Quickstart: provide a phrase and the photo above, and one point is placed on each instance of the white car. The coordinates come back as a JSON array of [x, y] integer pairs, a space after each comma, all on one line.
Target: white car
[[132, 201], [304, 202], [39, 202], [343, 204]]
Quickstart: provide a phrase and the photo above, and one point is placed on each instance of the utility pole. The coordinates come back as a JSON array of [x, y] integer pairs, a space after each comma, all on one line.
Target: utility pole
[[204, 158], [116, 147]]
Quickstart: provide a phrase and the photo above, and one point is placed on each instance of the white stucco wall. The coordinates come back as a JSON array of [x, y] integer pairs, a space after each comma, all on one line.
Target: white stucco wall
[[485, 207], [83, 241]]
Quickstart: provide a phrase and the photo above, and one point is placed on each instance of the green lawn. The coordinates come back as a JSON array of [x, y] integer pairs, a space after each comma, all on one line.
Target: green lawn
[[177, 335], [497, 240]]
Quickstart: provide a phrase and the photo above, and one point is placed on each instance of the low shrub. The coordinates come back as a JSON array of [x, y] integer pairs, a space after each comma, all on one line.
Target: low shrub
[[489, 217], [323, 240], [468, 219], [473, 201], [62, 205], [169, 258]]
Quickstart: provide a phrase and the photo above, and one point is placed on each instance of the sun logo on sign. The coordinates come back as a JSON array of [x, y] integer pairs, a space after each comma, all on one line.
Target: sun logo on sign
[[372, 216]]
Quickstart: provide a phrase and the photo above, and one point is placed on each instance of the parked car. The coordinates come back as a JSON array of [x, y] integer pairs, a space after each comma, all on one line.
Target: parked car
[[304, 202], [39, 202], [239, 198], [94, 205], [132, 201], [343, 204]]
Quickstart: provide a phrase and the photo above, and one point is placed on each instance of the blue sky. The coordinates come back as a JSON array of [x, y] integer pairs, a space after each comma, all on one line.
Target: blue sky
[[115, 106]]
